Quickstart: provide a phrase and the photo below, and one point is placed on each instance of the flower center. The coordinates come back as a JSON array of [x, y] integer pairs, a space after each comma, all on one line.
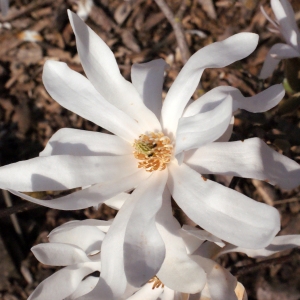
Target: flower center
[[156, 283], [154, 150]]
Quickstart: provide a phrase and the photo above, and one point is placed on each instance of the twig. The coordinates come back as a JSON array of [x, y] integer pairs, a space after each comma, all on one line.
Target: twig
[[5, 212], [234, 182], [238, 271], [177, 27], [285, 201], [13, 216], [265, 191]]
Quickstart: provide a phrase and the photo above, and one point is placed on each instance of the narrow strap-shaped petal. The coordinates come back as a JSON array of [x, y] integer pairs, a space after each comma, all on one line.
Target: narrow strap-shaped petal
[[220, 282], [202, 235], [250, 158], [225, 213], [285, 51], [215, 55], [84, 287], [101, 68], [113, 282], [64, 282], [100, 224], [275, 54], [88, 238], [178, 271], [92, 196], [203, 128], [85, 143], [285, 16], [59, 254], [274, 23], [144, 249], [261, 102], [62, 172], [148, 79], [74, 92], [280, 243]]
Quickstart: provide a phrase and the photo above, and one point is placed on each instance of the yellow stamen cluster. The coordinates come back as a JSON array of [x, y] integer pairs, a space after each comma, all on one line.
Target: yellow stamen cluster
[[154, 149], [156, 283]]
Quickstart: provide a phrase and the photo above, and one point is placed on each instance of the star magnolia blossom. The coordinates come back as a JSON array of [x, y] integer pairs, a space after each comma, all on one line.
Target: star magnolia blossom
[[286, 25], [76, 245], [154, 157]]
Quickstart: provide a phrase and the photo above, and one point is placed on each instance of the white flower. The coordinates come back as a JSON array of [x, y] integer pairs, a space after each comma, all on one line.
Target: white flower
[[76, 246], [286, 25], [75, 158]]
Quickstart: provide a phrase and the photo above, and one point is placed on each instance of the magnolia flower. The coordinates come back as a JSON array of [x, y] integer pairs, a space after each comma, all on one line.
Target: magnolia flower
[[157, 150], [286, 25], [77, 244]]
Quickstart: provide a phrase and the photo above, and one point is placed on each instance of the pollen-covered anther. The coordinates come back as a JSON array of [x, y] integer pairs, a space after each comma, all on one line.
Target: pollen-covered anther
[[156, 282], [154, 150]]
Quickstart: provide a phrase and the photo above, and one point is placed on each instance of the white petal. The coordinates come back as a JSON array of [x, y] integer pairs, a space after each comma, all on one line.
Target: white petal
[[59, 254], [85, 286], [283, 51], [191, 242], [178, 271], [251, 158], [147, 293], [225, 137], [85, 143], [215, 55], [88, 238], [92, 196], [261, 102], [209, 100], [148, 79], [275, 24], [202, 235], [117, 201], [285, 16], [225, 213], [274, 56], [62, 172], [113, 282], [203, 128], [280, 243], [220, 282], [63, 283], [208, 250], [170, 294], [102, 70], [74, 92], [144, 249]]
